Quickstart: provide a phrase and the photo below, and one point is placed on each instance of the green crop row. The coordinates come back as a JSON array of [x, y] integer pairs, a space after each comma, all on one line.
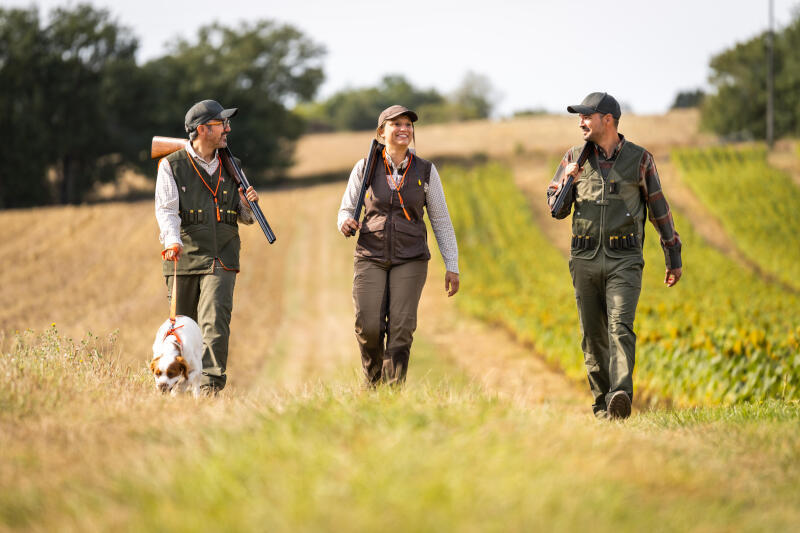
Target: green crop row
[[722, 335], [758, 205]]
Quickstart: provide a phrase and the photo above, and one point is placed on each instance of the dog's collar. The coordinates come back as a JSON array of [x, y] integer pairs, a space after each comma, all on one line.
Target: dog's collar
[[172, 331]]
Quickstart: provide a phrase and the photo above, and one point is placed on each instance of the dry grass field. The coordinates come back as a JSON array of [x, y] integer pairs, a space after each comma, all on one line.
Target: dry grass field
[[485, 437]]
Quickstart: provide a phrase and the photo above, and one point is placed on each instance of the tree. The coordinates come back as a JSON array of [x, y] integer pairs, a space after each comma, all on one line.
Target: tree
[[358, 109], [56, 79], [23, 109], [739, 75], [686, 99], [74, 102], [474, 97], [89, 57], [261, 68]]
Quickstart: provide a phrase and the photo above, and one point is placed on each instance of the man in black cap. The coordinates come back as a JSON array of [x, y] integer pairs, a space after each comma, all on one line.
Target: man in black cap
[[198, 208], [612, 195]]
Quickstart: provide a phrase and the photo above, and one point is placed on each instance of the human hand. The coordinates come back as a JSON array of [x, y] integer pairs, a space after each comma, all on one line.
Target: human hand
[[349, 227], [249, 194], [451, 283], [172, 252], [571, 170], [673, 275]]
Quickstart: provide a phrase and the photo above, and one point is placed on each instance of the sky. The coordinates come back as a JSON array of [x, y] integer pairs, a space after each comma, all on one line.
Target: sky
[[537, 54]]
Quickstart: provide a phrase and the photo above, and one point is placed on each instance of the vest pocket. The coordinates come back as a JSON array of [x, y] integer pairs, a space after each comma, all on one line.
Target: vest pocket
[[624, 238], [409, 239], [371, 237], [192, 216]]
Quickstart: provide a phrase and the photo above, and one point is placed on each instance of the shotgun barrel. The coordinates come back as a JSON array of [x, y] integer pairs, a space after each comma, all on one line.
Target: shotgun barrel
[[369, 169], [163, 146], [233, 169], [566, 190]]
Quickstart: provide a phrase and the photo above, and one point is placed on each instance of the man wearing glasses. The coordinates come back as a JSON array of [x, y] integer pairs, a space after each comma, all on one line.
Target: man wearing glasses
[[198, 208], [613, 194]]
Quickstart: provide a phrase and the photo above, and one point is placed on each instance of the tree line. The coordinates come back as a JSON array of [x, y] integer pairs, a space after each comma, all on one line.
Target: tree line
[[76, 107], [358, 109]]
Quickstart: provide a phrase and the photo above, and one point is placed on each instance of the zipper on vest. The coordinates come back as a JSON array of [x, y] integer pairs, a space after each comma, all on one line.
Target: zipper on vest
[[389, 232], [603, 202]]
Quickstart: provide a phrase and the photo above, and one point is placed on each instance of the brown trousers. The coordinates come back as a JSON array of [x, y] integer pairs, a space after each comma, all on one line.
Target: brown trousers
[[386, 299]]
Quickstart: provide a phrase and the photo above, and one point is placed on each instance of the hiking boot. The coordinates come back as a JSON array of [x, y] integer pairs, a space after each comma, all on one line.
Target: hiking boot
[[619, 406]]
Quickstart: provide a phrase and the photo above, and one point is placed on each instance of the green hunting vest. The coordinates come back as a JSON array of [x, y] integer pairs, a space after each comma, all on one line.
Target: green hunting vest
[[204, 237], [609, 213], [386, 234]]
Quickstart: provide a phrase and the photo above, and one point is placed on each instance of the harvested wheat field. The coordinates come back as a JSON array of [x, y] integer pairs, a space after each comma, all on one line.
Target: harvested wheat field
[[491, 433]]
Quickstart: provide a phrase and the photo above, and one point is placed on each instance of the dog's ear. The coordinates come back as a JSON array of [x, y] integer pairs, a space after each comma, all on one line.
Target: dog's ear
[[183, 365], [154, 363]]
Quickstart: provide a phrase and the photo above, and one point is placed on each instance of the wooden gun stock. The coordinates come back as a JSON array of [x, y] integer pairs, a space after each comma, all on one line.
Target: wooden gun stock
[[163, 146]]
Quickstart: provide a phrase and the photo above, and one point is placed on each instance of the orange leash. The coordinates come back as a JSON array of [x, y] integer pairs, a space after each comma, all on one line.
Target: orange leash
[[173, 302], [173, 306]]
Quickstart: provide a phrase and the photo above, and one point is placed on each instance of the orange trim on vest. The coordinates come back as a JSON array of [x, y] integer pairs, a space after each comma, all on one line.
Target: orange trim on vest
[[219, 180], [402, 180]]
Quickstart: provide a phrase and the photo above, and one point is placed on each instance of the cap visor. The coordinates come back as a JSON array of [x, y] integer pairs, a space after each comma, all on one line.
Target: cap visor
[[228, 113], [410, 114], [582, 109]]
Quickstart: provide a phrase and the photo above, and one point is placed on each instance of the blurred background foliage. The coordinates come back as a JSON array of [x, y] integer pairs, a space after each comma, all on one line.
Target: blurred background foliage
[[77, 109]]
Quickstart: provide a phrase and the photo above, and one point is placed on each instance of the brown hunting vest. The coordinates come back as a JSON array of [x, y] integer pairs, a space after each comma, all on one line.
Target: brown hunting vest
[[386, 234]]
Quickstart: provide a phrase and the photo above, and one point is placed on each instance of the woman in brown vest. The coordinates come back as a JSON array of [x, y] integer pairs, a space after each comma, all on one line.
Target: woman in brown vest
[[391, 256]]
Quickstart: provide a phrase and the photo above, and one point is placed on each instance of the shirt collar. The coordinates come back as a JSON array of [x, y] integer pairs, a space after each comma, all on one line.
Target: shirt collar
[[190, 150], [616, 148], [402, 164]]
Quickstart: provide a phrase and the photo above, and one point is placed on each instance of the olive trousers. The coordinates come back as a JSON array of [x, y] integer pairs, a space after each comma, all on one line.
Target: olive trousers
[[607, 292], [208, 299], [386, 299]]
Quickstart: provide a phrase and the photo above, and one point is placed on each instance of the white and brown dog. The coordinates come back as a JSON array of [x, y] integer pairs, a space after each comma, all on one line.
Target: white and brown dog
[[178, 356]]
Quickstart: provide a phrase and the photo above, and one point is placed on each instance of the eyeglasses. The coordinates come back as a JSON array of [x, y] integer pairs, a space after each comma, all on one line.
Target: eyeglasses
[[224, 123]]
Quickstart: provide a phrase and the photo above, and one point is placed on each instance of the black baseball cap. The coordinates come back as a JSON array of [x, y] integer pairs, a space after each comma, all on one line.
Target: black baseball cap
[[597, 103], [202, 112]]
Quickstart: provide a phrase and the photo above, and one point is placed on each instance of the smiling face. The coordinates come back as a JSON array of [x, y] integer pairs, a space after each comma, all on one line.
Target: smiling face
[[215, 133], [168, 367], [398, 132], [594, 126]]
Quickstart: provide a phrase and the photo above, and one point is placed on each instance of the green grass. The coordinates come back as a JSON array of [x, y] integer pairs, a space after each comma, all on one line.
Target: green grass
[[440, 454]]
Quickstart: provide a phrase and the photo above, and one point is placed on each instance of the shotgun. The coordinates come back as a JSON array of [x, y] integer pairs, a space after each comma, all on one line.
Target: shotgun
[[163, 146], [369, 169], [565, 191]]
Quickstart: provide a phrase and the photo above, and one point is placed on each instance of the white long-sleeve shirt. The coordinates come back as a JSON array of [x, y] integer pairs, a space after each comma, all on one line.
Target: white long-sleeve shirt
[[167, 203], [434, 196]]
